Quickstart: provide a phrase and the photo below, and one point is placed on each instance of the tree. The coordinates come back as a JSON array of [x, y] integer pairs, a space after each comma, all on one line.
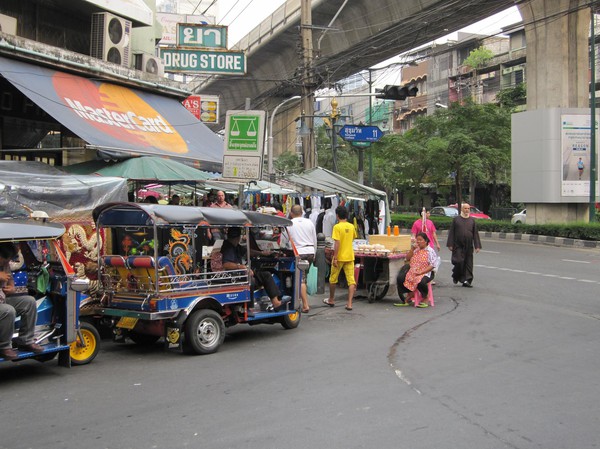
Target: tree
[[512, 97], [479, 57], [288, 162], [466, 142]]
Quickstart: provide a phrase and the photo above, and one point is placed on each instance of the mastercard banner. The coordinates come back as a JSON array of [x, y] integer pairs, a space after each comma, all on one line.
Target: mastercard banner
[[116, 118]]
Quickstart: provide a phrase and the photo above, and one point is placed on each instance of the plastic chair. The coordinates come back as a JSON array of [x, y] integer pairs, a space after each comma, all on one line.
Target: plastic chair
[[418, 298]]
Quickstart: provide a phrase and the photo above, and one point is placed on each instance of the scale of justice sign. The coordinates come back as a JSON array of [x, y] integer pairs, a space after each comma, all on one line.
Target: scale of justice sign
[[244, 144]]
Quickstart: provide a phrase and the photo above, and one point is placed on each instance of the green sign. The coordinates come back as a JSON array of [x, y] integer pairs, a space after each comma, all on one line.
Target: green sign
[[203, 61], [197, 35], [244, 141], [242, 133]]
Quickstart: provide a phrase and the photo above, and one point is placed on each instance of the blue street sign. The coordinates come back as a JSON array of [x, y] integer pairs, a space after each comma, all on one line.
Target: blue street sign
[[359, 133]]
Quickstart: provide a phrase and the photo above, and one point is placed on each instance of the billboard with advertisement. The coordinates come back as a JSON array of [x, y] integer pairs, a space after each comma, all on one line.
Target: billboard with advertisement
[[169, 23], [204, 107]]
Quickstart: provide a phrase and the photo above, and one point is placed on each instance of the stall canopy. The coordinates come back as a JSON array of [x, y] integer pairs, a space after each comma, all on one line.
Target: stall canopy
[[331, 183], [37, 186], [145, 168], [116, 120]]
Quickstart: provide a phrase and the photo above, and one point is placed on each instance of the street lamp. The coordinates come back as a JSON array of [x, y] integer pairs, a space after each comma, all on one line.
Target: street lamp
[[270, 142]]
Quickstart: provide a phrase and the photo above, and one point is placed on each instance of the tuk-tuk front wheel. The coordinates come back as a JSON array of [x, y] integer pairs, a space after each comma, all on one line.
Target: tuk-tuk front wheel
[[204, 332], [85, 348]]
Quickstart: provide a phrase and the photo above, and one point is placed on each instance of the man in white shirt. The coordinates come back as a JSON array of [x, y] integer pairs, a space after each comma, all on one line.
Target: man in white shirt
[[305, 238]]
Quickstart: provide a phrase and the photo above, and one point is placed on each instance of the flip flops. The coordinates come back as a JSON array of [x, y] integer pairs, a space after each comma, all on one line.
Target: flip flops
[[284, 301], [401, 304], [348, 308], [326, 302]]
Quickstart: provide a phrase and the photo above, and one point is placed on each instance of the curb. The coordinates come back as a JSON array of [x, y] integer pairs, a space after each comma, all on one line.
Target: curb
[[533, 238]]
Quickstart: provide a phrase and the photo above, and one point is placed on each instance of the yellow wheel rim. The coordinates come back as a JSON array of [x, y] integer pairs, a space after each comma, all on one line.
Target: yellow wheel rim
[[80, 352], [294, 316]]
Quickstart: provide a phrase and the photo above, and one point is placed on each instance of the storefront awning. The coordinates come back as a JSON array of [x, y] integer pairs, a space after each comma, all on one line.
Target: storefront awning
[[117, 120]]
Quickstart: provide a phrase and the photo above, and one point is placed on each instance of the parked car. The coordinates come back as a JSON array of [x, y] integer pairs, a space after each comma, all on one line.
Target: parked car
[[440, 211], [475, 213], [519, 217]]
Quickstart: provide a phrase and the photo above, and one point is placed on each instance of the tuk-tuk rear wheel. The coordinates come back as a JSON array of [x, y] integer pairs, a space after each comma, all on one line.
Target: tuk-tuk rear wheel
[[291, 320], [80, 354], [204, 332]]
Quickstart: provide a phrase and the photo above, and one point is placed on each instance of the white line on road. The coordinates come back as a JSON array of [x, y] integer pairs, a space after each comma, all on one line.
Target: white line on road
[[575, 261], [489, 252], [535, 273]]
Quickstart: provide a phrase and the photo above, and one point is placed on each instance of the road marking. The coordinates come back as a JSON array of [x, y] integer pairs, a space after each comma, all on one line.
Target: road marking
[[489, 252], [535, 273], [575, 261]]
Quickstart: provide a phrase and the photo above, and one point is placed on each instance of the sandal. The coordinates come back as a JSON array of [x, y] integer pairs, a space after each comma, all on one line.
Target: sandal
[[326, 301], [305, 310], [348, 308], [423, 305], [401, 304]]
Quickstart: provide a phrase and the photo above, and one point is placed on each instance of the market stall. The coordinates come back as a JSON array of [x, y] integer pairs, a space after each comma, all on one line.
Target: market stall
[[379, 257]]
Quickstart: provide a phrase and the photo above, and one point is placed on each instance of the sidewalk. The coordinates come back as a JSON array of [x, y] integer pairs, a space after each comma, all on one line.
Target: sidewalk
[[530, 238]]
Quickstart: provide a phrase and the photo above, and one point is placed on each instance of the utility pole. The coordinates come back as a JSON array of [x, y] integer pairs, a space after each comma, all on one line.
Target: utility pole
[[593, 174], [307, 104]]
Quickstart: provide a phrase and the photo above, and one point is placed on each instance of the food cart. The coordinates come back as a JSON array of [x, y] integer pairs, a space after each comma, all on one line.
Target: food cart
[[379, 260]]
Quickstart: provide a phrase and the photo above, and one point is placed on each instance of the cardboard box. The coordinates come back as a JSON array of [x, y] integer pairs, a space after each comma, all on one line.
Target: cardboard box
[[395, 243]]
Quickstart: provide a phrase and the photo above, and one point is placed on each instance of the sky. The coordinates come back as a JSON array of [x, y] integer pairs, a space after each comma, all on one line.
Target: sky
[[241, 16]]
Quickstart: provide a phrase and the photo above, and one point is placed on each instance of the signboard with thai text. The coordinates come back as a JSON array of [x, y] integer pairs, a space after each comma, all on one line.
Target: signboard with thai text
[[244, 142], [204, 36]]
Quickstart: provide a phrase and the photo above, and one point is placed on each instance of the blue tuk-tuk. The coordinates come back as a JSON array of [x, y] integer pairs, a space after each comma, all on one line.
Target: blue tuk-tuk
[[42, 270], [160, 274]]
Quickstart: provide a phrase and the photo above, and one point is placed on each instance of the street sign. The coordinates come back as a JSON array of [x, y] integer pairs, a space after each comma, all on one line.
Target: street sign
[[185, 60], [200, 35], [244, 140], [359, 133], [361, 144]]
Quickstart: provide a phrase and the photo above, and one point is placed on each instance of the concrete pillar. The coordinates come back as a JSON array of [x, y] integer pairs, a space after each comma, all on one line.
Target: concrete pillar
[[557, 75]]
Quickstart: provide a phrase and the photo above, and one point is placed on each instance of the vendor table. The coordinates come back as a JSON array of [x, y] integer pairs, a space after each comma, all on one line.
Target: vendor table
[[379, 272]]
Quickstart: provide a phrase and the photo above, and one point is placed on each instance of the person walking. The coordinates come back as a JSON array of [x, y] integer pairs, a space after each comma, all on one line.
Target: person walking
[[218, 233], [463, 238], [304, 234], [424, 224], [343, 235]]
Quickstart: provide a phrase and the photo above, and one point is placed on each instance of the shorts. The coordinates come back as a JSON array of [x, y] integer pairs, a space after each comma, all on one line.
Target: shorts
[[348, 268], [311, 260]]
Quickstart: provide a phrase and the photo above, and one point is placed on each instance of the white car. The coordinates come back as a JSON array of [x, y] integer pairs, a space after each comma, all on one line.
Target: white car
[[519, 217]]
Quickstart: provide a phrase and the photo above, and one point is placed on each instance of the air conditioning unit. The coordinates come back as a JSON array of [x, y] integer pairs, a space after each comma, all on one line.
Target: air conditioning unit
[[149, 64], [111, 38]]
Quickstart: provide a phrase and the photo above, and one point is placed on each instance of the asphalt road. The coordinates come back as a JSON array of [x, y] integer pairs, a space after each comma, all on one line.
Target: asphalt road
[[511, 363]]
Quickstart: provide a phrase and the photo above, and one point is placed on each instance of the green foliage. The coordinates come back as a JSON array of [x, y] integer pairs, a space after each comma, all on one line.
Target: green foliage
[[479, 57], [512, 97], [287, 163], [464, 142]]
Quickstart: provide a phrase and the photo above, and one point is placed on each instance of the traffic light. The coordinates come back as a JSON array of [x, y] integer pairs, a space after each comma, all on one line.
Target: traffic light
[[397, 92]]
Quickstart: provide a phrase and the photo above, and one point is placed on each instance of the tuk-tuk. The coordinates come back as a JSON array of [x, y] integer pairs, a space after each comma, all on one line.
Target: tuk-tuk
[[42, 271], [161, 276]]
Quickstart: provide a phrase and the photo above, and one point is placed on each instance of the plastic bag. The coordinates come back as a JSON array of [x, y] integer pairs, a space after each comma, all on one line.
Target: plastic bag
[[311, 280]]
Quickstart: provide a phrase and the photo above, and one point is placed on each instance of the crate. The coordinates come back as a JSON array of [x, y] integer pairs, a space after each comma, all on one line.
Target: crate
[[395, 243]]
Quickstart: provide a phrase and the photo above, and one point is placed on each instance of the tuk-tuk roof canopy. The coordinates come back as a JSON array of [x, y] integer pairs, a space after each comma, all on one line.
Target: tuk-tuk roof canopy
[[14, 230], [136, 214]]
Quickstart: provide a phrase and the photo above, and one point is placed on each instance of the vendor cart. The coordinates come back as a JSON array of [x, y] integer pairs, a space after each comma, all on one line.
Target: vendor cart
[[379, 271]]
